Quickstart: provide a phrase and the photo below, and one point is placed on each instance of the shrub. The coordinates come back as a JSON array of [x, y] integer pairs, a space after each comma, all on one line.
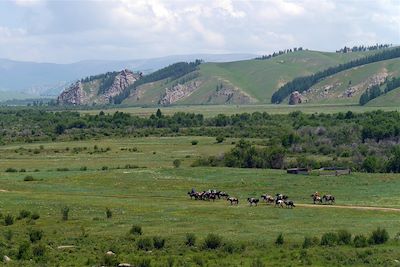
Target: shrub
[[22, 170], [194, 142], [379, 236], [62, 169], [108, 213], [220, 139], [344, 237], [329, 239], [24, 251], [65, 212], [104, 168], [158, 242], [11, 170], [360, 241], [39, 251], [83, 168], [35, 216], [190, 239], [212, 241], [8, 235], [257, 263], [35, 235], [136, 230], [145, 243], [176, 163], [310, 241], [8, 220], [29, 178], [279, 240], [24, 214]]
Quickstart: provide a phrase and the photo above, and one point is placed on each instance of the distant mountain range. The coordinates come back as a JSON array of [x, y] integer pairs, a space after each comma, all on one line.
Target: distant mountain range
[[49, 79]]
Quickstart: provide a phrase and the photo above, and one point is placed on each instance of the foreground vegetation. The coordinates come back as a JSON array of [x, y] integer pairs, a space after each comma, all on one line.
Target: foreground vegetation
[[129, 198]]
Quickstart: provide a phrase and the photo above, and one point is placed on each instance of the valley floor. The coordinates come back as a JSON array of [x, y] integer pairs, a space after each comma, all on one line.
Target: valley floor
[[151, 193]]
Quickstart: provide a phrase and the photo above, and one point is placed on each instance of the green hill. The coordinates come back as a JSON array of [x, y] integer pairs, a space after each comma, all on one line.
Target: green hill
[[240, 82], [347, 86], [391, 99]]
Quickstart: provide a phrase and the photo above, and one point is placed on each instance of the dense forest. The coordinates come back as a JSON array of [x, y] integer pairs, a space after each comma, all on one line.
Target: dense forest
[[302, 84], [172, 72], [375, 91], [345, 139]]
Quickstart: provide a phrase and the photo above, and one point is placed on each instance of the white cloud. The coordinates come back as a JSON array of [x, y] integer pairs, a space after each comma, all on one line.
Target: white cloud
[[75, 30]]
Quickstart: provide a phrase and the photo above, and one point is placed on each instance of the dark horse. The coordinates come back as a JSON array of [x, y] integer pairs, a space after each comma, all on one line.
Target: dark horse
[[233, 200], [289, 204], [329, 198], [252, 201]]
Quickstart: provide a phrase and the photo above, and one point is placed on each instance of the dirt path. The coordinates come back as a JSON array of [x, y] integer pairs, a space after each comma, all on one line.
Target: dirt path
[[347, 207]]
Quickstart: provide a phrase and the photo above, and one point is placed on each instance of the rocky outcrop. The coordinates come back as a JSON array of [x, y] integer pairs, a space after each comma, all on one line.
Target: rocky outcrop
[[87, 92], [295, 98], [179, 91], [74, 95], [229, 95], [123, 80]]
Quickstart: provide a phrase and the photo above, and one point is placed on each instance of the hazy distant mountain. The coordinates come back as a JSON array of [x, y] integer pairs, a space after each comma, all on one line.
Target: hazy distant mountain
[[50, 79]]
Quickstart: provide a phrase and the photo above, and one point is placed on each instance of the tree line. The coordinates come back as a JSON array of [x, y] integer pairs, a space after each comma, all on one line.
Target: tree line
[[375, 91], [280, 52], [363, 48], [302, 84]]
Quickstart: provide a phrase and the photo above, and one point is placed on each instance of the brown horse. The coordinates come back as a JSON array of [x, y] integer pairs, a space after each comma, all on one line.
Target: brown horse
[[267, 198]]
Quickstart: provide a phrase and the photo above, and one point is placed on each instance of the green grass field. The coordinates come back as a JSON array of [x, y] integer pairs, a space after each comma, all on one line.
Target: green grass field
[[154, 196]]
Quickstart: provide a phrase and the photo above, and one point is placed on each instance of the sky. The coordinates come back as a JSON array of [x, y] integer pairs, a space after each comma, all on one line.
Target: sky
[[70, 31]]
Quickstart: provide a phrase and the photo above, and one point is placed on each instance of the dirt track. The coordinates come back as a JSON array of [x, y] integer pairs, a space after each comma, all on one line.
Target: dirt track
[[347, 207]]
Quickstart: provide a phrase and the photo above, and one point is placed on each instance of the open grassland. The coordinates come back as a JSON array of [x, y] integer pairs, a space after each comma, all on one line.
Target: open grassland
[[212, 110], [154, 196]]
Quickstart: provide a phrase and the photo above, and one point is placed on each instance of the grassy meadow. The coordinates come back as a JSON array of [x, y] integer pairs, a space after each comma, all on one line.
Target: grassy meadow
[[90, 176]]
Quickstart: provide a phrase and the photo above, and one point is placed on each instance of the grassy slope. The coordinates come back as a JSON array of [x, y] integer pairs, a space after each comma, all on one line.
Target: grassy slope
[[358, 77], [155, 197], [257, 78], [390, 99]]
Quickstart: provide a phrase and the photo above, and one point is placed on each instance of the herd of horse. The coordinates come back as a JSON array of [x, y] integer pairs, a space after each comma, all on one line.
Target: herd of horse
[[280, 200]]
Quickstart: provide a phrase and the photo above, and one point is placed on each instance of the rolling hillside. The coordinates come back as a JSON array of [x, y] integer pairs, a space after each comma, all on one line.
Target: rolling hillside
[[240, 82], [391, 99], [347, 86]]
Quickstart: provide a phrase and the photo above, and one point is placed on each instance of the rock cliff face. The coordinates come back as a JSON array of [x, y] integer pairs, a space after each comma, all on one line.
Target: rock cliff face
[[74, 95], [178, 92], [87, 92], [295, 98], [124, 79]]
